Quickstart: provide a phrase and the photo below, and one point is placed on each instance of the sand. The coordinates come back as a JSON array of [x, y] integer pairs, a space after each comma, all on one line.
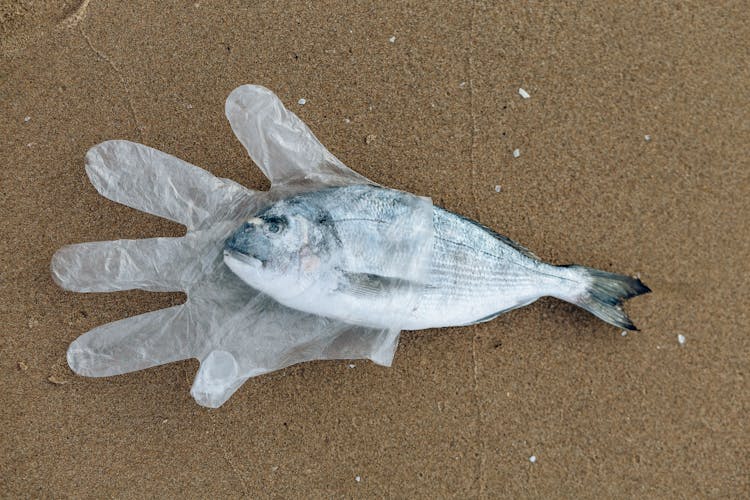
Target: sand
[[545, 401]]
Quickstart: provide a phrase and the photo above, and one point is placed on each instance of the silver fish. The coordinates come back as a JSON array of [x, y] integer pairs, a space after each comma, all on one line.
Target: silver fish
[[351, 254]]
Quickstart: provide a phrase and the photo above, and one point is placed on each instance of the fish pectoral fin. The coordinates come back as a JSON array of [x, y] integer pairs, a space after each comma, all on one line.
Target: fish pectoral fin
[[374, 285]]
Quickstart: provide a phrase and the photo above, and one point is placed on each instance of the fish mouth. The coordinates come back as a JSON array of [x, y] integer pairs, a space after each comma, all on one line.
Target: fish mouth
[[243, 258]]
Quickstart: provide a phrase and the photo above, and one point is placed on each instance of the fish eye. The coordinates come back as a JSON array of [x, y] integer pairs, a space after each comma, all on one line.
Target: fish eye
[[275, 225]]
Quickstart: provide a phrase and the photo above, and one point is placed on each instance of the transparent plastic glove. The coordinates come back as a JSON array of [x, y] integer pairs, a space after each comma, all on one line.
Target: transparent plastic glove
[[234, 331]]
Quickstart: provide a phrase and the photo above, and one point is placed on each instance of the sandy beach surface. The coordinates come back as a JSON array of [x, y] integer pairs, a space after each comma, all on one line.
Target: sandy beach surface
[[632, 157]]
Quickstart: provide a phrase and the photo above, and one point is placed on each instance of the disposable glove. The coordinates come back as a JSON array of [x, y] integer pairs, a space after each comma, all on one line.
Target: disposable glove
[[233, 330]]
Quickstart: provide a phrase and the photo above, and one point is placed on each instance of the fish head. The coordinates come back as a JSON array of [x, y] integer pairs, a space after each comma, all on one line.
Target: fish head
[[282, 250]]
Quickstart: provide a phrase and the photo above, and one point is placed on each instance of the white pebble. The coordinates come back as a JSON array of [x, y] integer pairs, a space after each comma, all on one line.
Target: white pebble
[[392, 39], [532, 459], [302, 101], [347, 120], [523, 93], [681, 339], [624, 333], [498, 188], [357, 478], [352, 365], [516, 153], [26, 119], [647, 138]]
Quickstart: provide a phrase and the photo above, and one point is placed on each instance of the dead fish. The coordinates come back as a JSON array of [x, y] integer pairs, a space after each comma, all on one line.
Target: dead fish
[[350, 253]]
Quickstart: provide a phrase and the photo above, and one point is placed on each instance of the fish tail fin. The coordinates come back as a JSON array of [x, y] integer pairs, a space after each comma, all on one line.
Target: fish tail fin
[[603, 294]]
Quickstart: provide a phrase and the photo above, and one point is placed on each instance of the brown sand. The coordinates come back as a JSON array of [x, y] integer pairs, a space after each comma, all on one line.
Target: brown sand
[[463, 409]]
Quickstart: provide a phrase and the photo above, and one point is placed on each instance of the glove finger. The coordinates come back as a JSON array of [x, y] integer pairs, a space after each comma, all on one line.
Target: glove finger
[[133, 344], [152, 181], [155, 264], [218, 377], [280, 143]]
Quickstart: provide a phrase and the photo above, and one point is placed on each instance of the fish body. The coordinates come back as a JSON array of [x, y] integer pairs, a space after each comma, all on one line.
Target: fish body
[[383, 258]]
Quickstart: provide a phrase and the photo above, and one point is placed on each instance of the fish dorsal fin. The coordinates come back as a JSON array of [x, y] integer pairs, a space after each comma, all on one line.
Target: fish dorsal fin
[[281, 144], [513, 244]]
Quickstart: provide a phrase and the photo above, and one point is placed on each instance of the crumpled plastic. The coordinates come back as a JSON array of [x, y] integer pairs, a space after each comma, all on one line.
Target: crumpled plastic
[[235, 331]]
